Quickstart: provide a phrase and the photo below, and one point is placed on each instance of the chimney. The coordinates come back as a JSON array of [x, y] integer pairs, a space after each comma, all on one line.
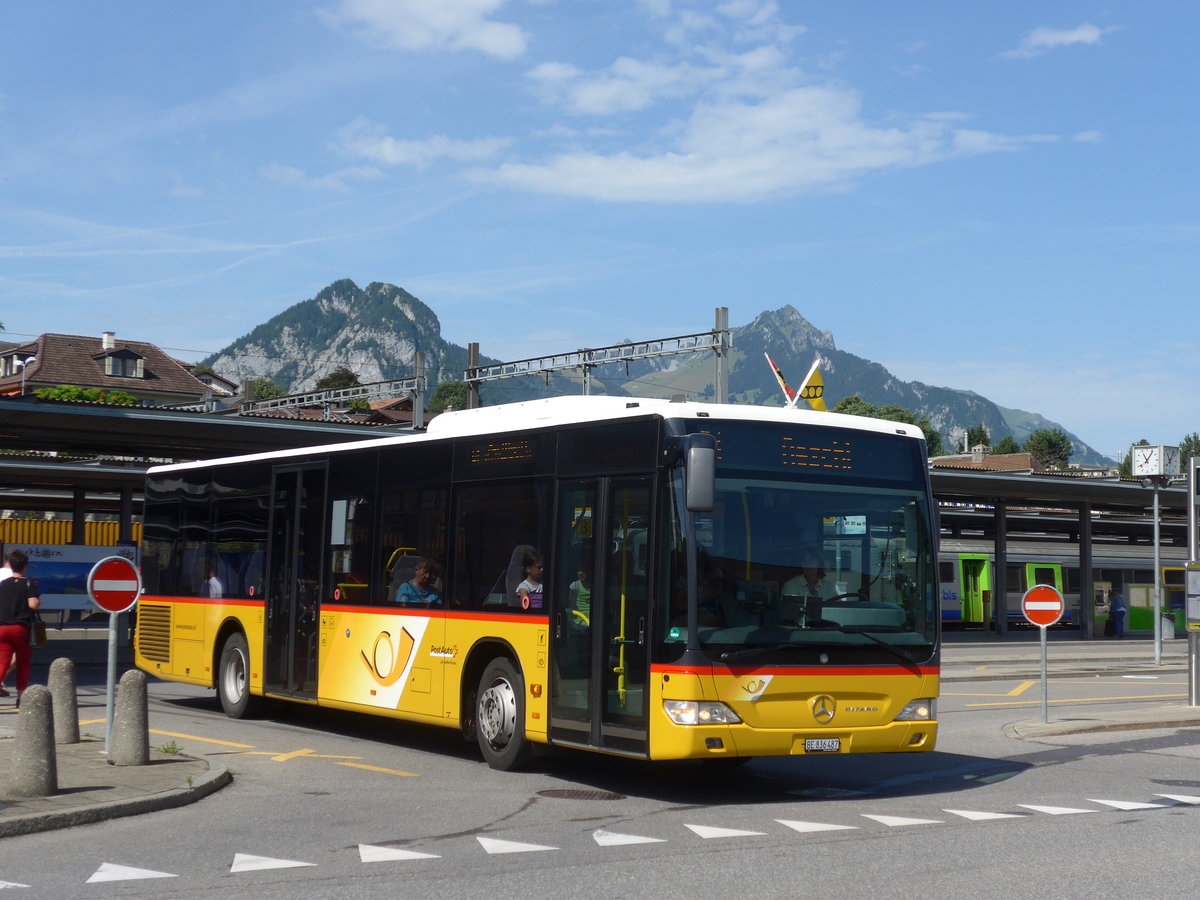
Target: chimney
[[978, 452], [108, 340]]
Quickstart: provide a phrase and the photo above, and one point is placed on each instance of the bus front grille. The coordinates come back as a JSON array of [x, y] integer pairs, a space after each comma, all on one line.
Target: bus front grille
[[154, 632]]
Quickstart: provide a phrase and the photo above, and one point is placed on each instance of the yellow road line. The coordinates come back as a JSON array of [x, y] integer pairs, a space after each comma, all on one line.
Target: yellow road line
[[192, 737], [1085, 700], [1020, 689], [378, 769]]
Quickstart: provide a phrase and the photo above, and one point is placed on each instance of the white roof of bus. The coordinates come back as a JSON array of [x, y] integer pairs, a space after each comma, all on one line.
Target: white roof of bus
[[529, 414]]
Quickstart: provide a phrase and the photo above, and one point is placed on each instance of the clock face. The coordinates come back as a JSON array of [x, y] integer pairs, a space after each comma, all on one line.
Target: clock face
[[1170, 460], [1146, 461]]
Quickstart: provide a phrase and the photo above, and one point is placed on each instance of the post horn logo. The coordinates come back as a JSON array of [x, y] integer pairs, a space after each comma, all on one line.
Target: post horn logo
[[824, 708]]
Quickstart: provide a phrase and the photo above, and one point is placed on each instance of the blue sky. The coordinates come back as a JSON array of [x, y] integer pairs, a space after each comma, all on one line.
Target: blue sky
[[998, 197]]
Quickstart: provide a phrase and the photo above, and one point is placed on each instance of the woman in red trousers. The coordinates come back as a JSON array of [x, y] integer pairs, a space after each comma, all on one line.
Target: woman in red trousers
[[18, 599]]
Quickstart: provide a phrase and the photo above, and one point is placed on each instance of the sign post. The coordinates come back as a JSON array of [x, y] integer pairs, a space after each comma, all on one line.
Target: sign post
[[114, 585], [1043, 607]]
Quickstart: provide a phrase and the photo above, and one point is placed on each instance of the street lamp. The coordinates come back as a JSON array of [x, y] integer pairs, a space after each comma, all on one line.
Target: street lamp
[[23, 363]]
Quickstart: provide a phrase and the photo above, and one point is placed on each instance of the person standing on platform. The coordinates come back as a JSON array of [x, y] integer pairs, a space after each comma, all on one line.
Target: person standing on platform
[[18, 600], [1117, 609]]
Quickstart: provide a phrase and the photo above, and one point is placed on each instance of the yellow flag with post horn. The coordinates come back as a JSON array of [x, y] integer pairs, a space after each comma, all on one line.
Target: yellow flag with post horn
[[813, 389]]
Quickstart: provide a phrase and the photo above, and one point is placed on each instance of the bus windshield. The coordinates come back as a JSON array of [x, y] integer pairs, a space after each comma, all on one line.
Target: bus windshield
[[793, 563]]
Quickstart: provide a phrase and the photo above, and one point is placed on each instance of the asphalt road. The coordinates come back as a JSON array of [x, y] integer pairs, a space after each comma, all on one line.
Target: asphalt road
[[331, 805]]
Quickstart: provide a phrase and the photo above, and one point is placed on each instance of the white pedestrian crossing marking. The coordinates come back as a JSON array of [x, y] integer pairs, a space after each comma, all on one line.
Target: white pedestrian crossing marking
[[370, 853], [810, 827], [495, 846], [113, 872], [245, 862], [710, 831], [615, 839], [1181, 798], [12, 884], [1055, 810], [901, 821], [1127, 805], [975, 816]]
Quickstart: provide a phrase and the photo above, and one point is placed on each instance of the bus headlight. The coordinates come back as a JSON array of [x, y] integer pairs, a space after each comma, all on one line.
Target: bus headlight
[[918, 711], [694, 712]]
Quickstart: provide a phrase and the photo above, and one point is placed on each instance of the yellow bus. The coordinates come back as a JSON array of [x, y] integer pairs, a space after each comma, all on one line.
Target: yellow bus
[[652, 579]]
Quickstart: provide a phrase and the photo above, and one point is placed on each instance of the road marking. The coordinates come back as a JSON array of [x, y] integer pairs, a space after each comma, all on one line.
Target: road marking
[[113, 872], [812, 827], [1181, 798], [615, 839], [495, 846], [1020, 689], [901, 821], [244, 862], [709, 831], [298, 754], [1084, 700], [192, 737], [370, 853], [379, 769], [982, 816], [1127, 806], [1056, 810]]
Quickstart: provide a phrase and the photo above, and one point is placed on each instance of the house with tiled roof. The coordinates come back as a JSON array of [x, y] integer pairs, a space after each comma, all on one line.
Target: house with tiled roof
[[106, 362]]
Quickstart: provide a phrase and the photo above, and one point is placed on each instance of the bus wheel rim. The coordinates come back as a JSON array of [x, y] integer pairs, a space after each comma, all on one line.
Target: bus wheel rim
[[235, 676], [498, 713]]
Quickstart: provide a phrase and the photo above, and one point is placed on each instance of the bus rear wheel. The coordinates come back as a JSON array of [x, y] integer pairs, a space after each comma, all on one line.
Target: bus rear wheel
[[233, 678], [500, 716]]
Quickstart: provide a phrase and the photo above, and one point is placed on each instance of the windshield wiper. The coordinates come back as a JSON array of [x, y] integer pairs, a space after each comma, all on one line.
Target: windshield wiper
[[795, 645]]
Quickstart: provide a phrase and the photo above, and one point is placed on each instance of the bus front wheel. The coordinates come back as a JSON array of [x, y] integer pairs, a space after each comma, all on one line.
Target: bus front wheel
[[233, 678], [500, 716]]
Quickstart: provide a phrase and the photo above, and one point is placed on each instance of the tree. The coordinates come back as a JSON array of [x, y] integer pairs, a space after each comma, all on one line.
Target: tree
[[449, 395], [266, 389], [857, 406], [1049, 446], [341, 377], [75, 394], [978, 434], [1188, 447], [1007, 444]]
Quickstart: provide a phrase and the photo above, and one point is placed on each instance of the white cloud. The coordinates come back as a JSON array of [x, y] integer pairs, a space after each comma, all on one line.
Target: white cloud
[[431, 25], [334, 181], [626, 86], [733, 150], [1088, 137], [1042, 39], [366, 140]]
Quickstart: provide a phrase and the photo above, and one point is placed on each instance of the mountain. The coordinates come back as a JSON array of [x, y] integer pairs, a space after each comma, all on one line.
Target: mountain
[[376, 331]]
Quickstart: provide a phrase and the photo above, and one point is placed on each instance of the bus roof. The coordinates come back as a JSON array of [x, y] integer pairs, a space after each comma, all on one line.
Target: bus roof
[[573, 410]]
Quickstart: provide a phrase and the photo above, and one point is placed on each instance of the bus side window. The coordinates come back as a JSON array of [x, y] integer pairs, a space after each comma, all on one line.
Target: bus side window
[[492, 519]]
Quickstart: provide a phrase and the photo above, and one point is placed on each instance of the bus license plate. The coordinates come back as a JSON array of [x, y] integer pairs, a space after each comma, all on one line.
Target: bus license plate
[[822, 745]]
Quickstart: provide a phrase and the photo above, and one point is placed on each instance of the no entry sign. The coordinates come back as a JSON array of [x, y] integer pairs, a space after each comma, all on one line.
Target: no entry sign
[[1042, 605], [114, 584]]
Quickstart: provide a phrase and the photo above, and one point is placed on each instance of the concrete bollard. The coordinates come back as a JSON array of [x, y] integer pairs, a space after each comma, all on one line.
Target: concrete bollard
[[130, 727], [66, 705], [34, 770]]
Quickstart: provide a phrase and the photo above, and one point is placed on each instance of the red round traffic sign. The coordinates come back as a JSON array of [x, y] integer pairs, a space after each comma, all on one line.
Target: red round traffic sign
[[1042, 605], [114, 584]]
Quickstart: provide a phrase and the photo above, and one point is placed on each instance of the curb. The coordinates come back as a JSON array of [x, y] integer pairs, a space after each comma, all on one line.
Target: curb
[[212, 781]]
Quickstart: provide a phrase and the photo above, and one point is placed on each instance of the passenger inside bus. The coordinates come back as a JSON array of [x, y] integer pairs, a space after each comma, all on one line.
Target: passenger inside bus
[[425, 587]]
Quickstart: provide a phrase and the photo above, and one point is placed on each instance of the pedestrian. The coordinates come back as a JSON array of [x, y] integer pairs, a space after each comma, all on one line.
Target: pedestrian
[[18, 601], [1116, 609]]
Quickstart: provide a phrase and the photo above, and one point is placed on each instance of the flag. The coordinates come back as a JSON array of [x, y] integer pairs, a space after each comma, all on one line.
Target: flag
[[789, 395], [813, 389]]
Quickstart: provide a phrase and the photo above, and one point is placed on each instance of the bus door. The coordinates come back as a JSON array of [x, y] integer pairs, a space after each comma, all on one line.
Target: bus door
[[599, 608], [294, 580], [976, 581]]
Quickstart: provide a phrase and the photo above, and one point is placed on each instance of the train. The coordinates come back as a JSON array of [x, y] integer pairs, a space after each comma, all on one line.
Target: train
[[966, 567]]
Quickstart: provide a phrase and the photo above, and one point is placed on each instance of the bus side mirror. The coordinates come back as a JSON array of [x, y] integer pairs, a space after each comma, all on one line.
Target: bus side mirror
[[701, 472]]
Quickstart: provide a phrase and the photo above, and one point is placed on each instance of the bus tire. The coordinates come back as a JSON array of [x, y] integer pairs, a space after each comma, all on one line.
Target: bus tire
[[500, 716], [233, 678]]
